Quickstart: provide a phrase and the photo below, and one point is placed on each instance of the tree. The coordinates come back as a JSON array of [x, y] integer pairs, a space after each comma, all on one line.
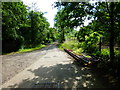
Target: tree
[[107, 14], [71, 15], [106, 17], [22, 28], [13, 17]]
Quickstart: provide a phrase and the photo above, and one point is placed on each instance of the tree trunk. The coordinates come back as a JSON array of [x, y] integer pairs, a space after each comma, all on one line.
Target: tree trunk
[[112, 31], [100, 45], [63, 35]]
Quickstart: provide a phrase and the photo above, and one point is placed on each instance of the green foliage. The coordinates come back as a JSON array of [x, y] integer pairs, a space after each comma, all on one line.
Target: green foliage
[[117, 52], [88, 39], [27, 49], [11, 21], [69, 45], [87, 56], [13, 16], [38, 28], [105, 52], [72, 45], [23, 28], [104, 29], [73, 15], [78, 51], [31, 49]]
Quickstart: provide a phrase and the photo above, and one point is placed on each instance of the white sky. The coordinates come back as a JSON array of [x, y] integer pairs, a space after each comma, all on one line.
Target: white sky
[[46, 6]]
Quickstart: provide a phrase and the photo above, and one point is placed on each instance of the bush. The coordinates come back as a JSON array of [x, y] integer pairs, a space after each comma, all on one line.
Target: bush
[[78, 51], [69, 45], [117, 52], [72, 45], [105, 52]]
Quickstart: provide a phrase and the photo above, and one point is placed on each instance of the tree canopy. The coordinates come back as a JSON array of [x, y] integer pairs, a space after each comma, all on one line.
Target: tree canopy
[[105, 21], [23, 27]]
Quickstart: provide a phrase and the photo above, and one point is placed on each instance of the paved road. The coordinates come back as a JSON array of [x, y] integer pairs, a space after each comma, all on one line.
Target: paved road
[[13, 64], [54, 67]]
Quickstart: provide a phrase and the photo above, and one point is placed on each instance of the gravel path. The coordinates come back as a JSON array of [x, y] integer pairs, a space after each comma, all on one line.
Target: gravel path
[[13, 64], [51, 66]]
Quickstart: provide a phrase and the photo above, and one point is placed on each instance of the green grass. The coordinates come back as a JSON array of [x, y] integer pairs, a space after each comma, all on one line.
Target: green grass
[[77, 49], [26, 50], [72, 45], [107, 51], [87, 56], [68, 45]]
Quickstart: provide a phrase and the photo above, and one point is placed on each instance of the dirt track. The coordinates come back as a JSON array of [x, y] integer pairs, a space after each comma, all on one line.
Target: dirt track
[[49, 65]]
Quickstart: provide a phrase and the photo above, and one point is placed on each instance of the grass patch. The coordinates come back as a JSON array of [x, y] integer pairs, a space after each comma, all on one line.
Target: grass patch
[[68, 45], [27, 50], [72, 45], [78, 51], [87, 56]]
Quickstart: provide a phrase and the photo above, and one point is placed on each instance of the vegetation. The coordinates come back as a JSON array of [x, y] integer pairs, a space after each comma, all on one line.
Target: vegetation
[[23, 28], [26, 50], [100, 37]]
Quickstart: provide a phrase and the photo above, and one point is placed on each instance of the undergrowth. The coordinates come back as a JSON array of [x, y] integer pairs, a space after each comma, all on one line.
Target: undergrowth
[[71, 45], [104, 55]]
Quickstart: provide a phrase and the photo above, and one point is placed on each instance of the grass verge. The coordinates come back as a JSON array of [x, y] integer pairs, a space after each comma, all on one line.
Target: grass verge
[[72, 45], [26, 50]]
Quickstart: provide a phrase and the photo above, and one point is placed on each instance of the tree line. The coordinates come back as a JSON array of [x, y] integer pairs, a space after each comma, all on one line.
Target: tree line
[[23, 27], [103, 30], [105, 22]]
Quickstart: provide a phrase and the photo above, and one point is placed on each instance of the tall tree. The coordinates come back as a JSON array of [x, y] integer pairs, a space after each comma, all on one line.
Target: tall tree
[[106, 14], [13, 17]]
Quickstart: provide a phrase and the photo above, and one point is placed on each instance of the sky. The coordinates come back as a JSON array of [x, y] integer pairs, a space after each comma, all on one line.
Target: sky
[[46, 6]]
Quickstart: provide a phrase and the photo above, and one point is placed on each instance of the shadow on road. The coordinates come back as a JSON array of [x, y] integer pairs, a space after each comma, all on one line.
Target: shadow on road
[[66, 75], [13, 64]]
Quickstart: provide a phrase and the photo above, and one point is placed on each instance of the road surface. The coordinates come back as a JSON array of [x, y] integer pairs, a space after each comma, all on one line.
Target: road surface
[[49, 66]]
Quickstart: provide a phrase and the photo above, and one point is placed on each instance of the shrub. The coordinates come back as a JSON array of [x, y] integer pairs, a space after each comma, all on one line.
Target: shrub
[[69, 45], [78, 51], [105, 52]]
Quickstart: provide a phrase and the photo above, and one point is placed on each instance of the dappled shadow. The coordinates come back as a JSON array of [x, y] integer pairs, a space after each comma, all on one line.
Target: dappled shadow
[[67, 75], [13, 64]]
